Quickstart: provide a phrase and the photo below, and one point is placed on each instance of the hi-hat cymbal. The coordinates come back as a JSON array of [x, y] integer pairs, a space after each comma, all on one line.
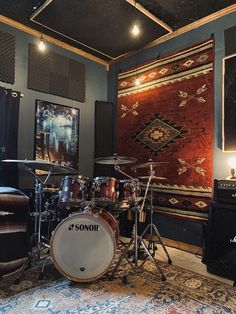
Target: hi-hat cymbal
[[115, 160], [153, 178], [148, 164], [43, 165]]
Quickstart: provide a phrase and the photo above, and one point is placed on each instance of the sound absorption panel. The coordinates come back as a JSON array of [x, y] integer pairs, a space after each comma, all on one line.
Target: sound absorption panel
[[55, 74], [104, 129], [7, 57], [230, 43], [229, 103]]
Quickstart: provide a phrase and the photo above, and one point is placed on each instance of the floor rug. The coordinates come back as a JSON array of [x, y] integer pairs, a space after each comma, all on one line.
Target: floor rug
[[182, 292]]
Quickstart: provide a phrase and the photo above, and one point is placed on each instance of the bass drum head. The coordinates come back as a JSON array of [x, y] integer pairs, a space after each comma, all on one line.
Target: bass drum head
[[83, 246]]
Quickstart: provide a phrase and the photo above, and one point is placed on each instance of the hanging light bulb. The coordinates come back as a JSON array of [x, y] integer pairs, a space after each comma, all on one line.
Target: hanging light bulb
[[135, 30], [42, 45]]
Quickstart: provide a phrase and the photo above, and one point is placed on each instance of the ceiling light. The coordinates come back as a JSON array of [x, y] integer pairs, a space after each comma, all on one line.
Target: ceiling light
[[42, 45], [135, 30]]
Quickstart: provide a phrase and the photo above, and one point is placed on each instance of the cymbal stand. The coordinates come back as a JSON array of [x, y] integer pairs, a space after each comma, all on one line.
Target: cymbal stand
[[151, 225], [136, 240], [41, 242]]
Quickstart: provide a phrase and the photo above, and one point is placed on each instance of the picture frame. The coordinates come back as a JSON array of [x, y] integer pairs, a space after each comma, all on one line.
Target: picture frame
[[57, 133], [229, 103]]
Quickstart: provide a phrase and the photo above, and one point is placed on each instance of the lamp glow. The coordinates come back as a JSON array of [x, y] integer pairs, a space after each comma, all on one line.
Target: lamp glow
[[232, 164]]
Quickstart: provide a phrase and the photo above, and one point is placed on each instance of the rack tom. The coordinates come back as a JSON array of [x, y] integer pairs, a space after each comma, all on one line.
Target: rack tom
[[75, 189], [104, 190]]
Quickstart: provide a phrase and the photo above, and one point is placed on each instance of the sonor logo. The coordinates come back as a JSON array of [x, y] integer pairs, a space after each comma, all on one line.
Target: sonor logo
[[83, 227]]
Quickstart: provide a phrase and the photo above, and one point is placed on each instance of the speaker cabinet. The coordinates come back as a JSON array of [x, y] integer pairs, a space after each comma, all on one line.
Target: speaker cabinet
[[220, 242]]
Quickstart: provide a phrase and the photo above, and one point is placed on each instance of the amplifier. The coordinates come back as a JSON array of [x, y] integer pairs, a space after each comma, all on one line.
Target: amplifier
[[225, 191]]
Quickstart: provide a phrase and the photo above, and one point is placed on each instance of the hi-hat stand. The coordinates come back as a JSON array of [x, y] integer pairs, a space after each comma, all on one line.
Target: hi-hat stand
[[136, 240], [38, 242]]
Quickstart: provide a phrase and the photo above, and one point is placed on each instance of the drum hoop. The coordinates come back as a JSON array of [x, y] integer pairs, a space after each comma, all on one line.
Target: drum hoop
[[58, 266], [104, 178]]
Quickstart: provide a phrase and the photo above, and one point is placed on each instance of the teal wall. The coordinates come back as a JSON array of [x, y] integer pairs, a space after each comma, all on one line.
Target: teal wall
[[96, 89], [221, 168], [184, 231]]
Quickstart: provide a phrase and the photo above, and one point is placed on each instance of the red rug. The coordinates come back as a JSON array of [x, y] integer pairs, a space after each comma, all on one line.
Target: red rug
[[169, 117]]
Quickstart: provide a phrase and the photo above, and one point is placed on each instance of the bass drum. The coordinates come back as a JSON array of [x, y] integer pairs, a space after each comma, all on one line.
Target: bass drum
[[83, 245]]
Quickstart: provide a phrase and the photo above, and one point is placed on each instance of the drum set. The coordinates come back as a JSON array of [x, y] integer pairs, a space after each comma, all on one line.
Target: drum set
[[85, 235]]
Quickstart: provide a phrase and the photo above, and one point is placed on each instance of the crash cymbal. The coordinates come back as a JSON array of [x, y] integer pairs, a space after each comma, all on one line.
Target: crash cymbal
[[153, 178], [115, 160], [43, 165], [148, 164]]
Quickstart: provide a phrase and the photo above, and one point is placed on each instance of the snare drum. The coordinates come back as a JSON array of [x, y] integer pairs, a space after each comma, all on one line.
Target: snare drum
[[128, 190], [75, 189], [83, 245], [104, 189]]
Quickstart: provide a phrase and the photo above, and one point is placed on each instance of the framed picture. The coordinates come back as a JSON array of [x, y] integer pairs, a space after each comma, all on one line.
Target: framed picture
[[57, 134], [229, 104]]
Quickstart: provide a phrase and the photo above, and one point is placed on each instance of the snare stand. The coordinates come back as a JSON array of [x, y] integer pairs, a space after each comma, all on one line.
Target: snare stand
[[137, 240]]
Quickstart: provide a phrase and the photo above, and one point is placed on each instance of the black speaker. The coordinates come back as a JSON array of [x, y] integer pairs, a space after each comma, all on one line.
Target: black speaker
[[225, 191], [220, 242]]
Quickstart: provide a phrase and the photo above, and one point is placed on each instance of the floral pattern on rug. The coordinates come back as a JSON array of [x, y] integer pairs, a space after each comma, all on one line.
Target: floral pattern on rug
[[182, 292]]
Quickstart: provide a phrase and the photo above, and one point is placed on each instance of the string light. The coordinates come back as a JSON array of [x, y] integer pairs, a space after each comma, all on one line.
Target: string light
[[137, 82]]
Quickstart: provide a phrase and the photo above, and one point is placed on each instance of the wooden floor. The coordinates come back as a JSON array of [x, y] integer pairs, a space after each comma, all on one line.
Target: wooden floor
[[188, 261]]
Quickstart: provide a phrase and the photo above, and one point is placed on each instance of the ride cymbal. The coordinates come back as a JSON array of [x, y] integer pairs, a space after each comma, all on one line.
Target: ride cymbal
[[115, 160]]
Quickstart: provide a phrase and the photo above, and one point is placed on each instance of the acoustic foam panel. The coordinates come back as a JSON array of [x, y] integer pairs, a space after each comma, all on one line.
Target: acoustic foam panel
[[230, 43], [55, 74], [7, 57]]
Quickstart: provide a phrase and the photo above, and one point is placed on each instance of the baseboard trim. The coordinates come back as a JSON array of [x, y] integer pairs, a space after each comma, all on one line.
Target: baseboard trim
[[181, 246]]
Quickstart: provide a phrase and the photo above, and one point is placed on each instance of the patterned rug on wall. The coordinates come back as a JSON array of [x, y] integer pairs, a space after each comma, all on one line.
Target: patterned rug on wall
[[169, 117], [184, 292]]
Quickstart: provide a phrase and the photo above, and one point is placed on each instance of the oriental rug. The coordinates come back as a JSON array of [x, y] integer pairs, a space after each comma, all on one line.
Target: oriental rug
[[184, 292], [169, 118]]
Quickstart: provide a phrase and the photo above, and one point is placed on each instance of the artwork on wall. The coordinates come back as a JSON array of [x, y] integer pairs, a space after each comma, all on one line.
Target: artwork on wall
[[229, 104], [169, 118], [57, 134]]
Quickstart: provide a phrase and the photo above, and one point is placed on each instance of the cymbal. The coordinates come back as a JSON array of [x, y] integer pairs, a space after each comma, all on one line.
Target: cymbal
[[148, 164], [44, 166], [153, 178], [115, 160]]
